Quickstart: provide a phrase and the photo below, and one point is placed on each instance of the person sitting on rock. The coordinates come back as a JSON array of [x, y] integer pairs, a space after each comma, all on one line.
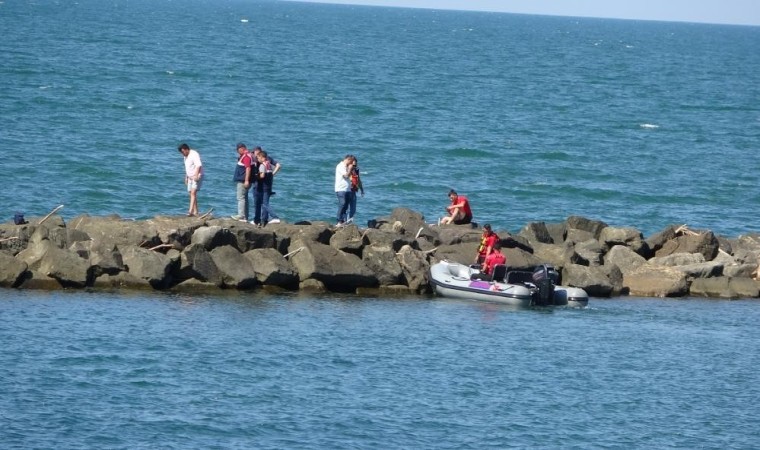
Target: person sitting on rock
[[459, 210], [487, 241], [494, 258]]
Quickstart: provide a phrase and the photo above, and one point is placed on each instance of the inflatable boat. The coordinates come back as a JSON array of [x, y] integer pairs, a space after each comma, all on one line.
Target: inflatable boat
[[516, 287]]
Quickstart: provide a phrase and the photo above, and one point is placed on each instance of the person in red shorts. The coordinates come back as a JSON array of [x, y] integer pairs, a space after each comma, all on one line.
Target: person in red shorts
[[494, 258], [459, 210], [487, 242]]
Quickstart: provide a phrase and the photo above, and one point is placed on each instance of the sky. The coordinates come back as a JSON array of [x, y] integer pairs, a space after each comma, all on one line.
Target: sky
[[738, 12]]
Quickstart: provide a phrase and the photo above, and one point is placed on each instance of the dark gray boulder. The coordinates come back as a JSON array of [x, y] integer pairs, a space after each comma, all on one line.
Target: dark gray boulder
[[103, 258], [152, 267], [627, 236], [213, 236], [12, 270], [196, 263], [272, 268], [705, 243], [383, 262], [382, 238], [237, 270], [536, 232], [348, 239], [338, 271], [416, 268], [625, 258], [594, 227], [114, 230], [593, 280], [51, 261]]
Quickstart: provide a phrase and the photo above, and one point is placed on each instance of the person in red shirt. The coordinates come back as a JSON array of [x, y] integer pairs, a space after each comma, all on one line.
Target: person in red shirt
[[487, 242], [494, 258], [459, 210]]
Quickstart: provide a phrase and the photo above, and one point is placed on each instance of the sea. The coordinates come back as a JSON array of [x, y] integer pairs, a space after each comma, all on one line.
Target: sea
[[534, 118]]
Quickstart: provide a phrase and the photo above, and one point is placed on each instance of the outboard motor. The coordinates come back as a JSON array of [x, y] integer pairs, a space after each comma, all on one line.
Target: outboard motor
[[544, 277]]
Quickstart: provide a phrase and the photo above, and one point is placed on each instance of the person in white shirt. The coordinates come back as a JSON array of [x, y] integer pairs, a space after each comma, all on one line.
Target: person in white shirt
[[193, 176], [343, 186]]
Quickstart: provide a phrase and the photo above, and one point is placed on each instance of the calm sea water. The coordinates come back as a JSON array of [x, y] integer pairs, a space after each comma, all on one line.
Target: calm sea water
[[242, 371], [638, 124]]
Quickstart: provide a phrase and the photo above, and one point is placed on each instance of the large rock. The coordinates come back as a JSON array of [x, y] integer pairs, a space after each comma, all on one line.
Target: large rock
[[702, 270], [383, 262], [627, 236], [338, 271], [536, 232], [463, 253], [249, 237], [307, 232], [382, 238], [558, 232], [54, 231], [411, 221], [149, 266], [416, 269], [725, 287], [118, 232], [594, 227], [593, 280], [213, 237], [63, 265], [551, 253], [625, 258], [237, 270], [272, 269], [705, 243], [175, 231], [103, 258], [519, 259], [196, 263], [12, 270], [656, 281], [656, 241], [14, 238], [677, 259], [575, 236], [349, 239], [589, 253], [746, 249]]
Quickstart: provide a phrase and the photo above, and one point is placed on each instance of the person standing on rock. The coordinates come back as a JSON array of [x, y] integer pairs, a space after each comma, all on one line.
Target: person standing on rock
[[343, 187], [264, 212], [193, 176], [459, 210], [356, 187], [263, 187], [242, 179]]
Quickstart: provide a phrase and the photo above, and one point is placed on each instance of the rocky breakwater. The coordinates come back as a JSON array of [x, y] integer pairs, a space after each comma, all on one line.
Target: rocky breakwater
[[391, 256]]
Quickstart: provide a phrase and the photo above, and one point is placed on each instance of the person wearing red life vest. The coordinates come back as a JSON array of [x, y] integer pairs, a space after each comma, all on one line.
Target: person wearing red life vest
[[487, 241], [494, 258]]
